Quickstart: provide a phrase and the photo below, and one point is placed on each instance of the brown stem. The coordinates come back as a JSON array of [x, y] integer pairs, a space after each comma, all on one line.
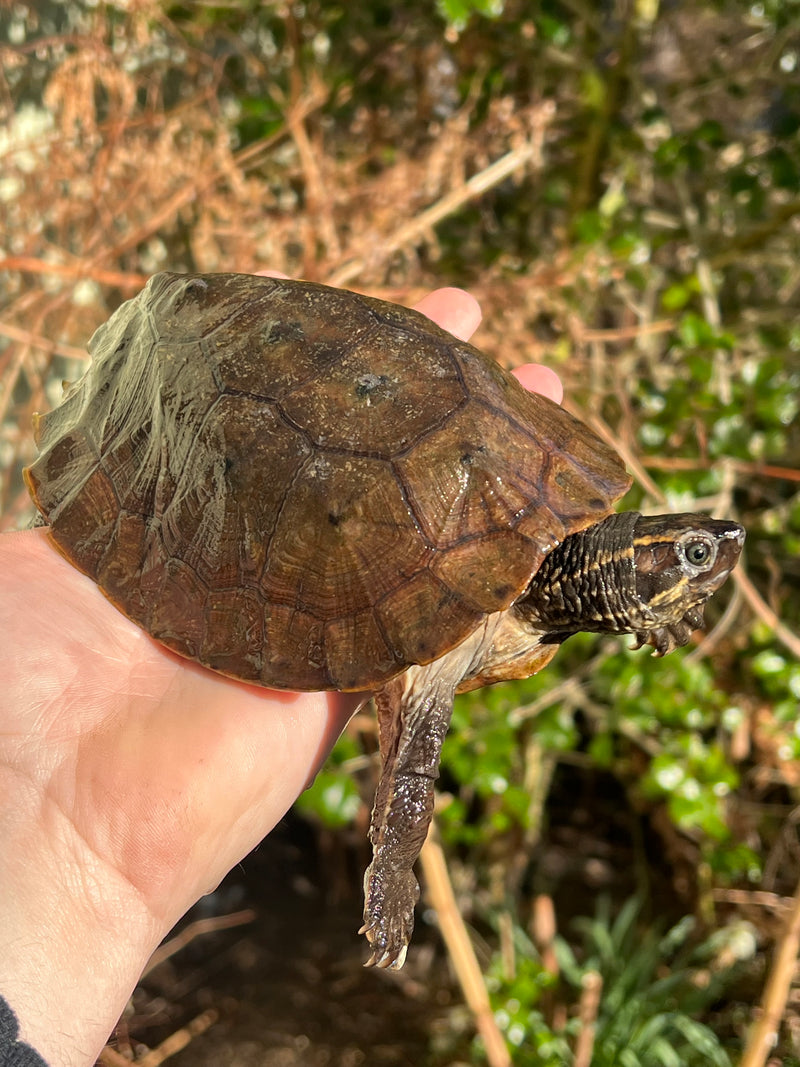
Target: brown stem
[[591, 988], [761, 1042], [439, 892]]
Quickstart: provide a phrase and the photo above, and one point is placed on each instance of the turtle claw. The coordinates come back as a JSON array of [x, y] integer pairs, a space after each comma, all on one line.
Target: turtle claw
[[389, 917], [388, 953], [388, 961]]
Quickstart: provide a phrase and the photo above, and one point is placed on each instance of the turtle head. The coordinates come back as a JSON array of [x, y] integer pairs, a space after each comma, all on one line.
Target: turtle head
[[679, 561], [636, 574]]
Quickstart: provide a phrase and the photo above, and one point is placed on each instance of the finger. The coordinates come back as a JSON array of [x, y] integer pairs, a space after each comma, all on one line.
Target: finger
[[540, 379], [454, 310]]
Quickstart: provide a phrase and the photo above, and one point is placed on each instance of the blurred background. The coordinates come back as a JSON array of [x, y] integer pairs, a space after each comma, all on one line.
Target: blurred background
[[618, 183]]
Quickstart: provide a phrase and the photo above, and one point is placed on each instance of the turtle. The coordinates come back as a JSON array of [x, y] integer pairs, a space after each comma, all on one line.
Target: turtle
[[309, 489]]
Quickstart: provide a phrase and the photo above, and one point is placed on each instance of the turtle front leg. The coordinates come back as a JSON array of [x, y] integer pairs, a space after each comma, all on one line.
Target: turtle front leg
[[413, 716]]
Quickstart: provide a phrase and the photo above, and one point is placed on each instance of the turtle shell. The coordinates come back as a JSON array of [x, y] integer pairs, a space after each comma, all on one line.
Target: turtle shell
[[303, 487]]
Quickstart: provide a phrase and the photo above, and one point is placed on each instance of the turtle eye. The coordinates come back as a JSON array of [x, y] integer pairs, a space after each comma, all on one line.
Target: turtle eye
[[699, 552]]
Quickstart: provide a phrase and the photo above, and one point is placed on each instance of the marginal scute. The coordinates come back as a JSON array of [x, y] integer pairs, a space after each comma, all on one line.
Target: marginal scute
[[293, 648], [63, 469], [304, 487], [359, 630], [176, 589], [571, 489], [86, 517], [234, 627], [130, 571]]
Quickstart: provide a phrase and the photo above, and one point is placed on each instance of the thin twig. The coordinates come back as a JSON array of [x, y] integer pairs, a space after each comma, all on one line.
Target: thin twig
[[197, 929], [109, 1057], [36, 340], [752, 897], [629, 457], [591, 988], [191, 191], [710, 640], [319, 201], [623, 333], [440, 893], [786, 636], [754, 468], [172, 1045], [756, 237], [543, 931], [478, 184], [764, 1033], [80, 270]]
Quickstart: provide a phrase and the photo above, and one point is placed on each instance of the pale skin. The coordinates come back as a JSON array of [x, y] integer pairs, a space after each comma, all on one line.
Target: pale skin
[[118, 809]]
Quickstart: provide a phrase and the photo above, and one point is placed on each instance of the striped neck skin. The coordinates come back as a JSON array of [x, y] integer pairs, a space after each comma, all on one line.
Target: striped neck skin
[[646, 575]]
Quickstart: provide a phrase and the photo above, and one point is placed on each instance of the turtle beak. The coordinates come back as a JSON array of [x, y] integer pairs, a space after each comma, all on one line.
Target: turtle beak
[[735, 533], [730, 536]]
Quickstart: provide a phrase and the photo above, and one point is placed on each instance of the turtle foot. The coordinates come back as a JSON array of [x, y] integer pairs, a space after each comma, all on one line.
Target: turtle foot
[[389, 899]]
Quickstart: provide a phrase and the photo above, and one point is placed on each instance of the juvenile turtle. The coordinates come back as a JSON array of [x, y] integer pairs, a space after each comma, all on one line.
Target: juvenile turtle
[[309, 489]]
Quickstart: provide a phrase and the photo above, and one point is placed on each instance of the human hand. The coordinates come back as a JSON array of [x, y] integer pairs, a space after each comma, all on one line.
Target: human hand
[[131, 781]]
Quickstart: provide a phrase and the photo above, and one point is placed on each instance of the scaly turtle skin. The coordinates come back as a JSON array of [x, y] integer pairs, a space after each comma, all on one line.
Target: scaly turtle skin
[[309, 489]]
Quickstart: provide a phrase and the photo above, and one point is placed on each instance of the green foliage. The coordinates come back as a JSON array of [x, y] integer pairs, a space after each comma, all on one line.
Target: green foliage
[[654, 988], [674, 708], [780, 677], [332, 798], [458, 12], [483, 755], [668, 708], [756, 420]]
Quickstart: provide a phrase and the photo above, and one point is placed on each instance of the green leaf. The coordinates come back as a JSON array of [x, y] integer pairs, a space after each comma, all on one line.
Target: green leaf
[[332, 798]]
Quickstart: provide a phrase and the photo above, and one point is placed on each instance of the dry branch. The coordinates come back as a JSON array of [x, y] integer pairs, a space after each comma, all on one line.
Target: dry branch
[[439, 889], [764, 1035], [512, 162], [200, 928]]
